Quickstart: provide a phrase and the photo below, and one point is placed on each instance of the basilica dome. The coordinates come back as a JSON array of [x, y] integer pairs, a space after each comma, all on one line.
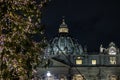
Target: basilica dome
[[64, 44]]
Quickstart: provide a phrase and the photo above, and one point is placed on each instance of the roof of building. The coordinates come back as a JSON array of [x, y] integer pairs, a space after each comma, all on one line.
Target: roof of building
[[63, 44]]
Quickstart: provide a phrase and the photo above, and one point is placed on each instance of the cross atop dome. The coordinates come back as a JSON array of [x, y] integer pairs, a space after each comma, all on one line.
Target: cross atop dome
[[63, 27], [63, 21]]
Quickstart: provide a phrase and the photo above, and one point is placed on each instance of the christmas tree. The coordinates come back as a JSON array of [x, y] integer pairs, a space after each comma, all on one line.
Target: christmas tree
[[20, 21]]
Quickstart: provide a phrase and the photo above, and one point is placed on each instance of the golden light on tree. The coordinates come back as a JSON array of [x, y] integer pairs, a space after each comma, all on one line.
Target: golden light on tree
[[20, 20]]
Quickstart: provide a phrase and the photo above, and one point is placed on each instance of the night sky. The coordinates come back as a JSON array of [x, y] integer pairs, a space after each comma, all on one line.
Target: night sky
[[91, 22]]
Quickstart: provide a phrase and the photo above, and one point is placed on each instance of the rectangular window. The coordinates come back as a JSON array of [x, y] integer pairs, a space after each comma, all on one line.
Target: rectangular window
[[94, 62], [112, 60], [78, 61]]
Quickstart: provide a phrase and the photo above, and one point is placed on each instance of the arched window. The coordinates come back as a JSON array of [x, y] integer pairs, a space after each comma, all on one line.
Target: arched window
[[78, 77], [113, 77], [112, 51]]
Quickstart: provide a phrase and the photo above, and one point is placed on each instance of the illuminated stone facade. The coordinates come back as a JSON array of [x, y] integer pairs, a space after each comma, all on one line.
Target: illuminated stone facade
[[68, 60]]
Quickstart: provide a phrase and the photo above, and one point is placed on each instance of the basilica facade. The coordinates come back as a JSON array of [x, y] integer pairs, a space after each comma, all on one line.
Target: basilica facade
[[69, 61]]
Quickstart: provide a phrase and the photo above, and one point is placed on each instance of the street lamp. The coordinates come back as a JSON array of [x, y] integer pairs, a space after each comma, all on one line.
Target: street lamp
[[49, 74]]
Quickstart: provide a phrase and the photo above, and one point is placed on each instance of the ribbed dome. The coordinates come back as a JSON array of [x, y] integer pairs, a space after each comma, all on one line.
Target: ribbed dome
[[64, 44]]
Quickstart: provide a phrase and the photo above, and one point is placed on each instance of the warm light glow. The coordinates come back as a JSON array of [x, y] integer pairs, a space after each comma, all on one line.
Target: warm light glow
[[77, 77], [63, 30], [112, 60], [94, 62], [78, 61], [113, 77]]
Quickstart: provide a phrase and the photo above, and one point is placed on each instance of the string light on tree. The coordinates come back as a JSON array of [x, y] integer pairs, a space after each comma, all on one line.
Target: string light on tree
[[19, 53]]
